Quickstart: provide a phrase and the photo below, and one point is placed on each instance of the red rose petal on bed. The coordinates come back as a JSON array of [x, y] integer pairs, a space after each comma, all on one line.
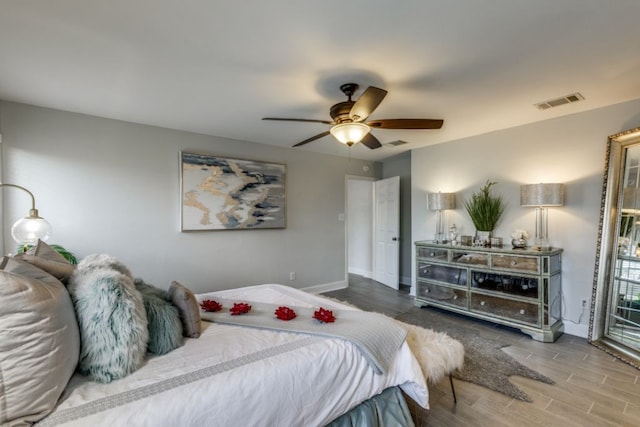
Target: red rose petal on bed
[[240, 308], [285, 313], [324, 315], [210, 305]]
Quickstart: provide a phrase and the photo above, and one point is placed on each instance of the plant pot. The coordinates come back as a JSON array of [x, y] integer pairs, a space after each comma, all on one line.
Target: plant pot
[[482, 238]]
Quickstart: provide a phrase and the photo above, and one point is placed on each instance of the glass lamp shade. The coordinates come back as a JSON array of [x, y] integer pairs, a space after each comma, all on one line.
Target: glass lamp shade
[[349, 133], [28, 230]]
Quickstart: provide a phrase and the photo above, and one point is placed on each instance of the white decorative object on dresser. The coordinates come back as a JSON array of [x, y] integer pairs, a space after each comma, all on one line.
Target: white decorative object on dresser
[[515, 287]]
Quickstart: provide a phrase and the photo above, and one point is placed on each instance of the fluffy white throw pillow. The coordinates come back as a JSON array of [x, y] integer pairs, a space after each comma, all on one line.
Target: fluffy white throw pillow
[[111, 317]]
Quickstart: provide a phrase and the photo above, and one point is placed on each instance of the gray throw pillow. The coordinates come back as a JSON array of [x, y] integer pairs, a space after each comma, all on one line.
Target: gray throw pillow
[[165, 327], [189, 309], [111, 317], [39, 342], [48, 259]]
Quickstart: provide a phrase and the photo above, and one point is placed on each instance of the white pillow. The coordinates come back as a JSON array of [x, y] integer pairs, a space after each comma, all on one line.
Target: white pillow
[[39, 342]]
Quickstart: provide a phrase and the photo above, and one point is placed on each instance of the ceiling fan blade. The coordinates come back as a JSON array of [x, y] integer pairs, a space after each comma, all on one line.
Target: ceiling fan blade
[[371, 141], [368, 101], [298, 120], [406, 123], [313, 138]]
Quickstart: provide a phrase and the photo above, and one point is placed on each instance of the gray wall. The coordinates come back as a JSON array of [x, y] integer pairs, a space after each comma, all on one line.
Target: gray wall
[[569, 149], [400, 165], [112, 187]]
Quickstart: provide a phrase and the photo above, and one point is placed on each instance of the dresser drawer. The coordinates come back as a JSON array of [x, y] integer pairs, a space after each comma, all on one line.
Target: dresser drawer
[[529, 264], [443, 294], [470, 258], [519, 311], [442, 273], [432, 253], [505, 283]]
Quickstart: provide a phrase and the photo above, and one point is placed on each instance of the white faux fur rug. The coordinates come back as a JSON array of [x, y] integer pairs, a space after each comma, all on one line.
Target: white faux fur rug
[[485, 363], [438, 354]]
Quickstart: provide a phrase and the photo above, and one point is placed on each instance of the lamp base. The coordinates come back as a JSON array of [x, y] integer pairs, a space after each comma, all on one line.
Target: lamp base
[[541, 245], [440, 238]]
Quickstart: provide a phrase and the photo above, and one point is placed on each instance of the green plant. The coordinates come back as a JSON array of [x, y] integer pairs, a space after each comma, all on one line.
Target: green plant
[[484, 208]]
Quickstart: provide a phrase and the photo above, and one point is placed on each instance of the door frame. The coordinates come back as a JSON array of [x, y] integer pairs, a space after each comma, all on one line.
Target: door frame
[[388, 241], [346, 220]]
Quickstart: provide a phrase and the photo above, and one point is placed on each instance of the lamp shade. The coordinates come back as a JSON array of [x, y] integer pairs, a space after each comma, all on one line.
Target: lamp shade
[[28, 230], [350, 133], [441, 201], [31, 228], [542, 195]]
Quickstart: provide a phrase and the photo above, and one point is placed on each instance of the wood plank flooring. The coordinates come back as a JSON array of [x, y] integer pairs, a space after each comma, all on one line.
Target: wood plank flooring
[[592, 388]]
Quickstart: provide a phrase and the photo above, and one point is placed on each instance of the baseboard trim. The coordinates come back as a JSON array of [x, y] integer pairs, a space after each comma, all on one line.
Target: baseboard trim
[[326, 287], [360, 272]]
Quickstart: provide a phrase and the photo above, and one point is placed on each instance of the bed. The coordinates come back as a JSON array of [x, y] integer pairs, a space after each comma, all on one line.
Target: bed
[[243, 376], [229, 375]]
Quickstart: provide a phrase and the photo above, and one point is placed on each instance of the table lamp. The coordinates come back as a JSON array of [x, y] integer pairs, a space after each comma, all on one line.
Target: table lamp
[[541, 196], [439, 202]]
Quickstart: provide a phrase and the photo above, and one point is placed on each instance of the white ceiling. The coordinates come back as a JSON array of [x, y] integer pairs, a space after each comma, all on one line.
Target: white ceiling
[[218, 66]]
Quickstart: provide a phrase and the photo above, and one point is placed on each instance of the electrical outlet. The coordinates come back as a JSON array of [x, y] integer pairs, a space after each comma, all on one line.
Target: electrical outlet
[[292, 275]]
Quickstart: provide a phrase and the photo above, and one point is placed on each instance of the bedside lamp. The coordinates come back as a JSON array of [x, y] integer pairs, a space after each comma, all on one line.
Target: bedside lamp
[[31, 228], [439, 202], [541, 196]]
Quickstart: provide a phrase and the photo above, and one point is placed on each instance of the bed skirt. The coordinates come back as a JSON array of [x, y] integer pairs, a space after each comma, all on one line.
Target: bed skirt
[[387, 409]]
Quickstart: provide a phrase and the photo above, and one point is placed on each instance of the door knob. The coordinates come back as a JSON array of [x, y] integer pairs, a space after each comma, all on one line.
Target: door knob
[[395, 239]]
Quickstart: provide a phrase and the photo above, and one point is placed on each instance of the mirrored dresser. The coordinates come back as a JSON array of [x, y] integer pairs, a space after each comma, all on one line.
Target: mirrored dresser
[[520, 288]]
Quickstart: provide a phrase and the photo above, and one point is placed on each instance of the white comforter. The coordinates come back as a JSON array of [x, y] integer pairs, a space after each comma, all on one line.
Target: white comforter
[[235, 375]]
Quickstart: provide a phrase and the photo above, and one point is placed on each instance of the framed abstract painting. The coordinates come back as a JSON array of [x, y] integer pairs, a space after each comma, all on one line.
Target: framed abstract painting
[[221, 193]]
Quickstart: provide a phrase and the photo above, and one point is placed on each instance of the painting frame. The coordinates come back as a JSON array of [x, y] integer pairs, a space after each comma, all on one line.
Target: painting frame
[[219, 193]]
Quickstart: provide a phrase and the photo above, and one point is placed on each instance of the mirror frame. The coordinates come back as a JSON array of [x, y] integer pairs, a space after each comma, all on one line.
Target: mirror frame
[[606, 243]]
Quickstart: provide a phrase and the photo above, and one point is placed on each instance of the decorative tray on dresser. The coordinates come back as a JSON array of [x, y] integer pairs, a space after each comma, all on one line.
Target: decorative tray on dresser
[[520, 288]]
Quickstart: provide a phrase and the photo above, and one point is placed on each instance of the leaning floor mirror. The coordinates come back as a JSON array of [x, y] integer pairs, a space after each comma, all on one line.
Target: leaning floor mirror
[[615, 310]]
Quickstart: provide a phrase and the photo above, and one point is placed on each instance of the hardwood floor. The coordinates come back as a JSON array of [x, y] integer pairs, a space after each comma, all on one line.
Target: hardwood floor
[[592, 388]]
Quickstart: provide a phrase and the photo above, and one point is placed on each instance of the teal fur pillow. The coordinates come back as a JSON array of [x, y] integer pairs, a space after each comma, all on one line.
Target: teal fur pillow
[[164, 324], [111, 317]]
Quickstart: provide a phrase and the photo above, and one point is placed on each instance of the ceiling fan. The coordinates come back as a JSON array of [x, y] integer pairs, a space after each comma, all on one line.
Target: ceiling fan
[[348, 124]]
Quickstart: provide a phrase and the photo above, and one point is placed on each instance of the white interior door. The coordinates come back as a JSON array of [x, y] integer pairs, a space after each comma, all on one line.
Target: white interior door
[[387, 231]]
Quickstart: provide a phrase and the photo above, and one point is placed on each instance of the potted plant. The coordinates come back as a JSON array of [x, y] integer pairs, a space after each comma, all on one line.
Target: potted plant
[[485, 210]]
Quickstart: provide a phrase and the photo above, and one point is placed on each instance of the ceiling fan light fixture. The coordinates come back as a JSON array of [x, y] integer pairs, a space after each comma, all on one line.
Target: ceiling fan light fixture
[[350, 133]]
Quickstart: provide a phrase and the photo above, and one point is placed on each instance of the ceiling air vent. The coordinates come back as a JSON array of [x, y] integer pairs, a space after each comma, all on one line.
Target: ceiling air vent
[[395, 143], [574, 97]]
